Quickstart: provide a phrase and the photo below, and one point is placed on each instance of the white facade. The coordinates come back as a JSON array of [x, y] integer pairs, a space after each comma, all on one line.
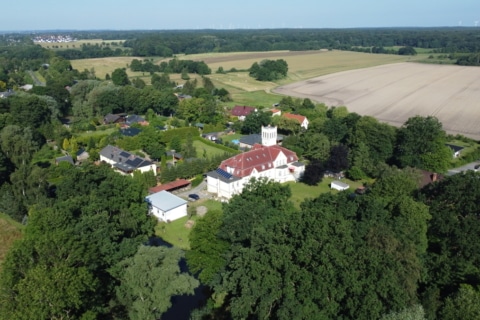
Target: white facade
[[166, 206], [268, 161]]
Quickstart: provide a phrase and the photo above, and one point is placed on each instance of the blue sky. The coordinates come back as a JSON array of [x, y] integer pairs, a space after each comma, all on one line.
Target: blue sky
[[216, 14]]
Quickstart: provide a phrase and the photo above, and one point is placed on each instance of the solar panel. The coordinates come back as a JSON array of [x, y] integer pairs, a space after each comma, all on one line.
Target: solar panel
[[135, 162], [125, 154], [224, 173]]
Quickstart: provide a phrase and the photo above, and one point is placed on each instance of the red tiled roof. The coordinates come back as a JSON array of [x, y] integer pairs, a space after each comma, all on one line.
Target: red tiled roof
[[169, 186], [239, 111], [260, 158], [295, 117]]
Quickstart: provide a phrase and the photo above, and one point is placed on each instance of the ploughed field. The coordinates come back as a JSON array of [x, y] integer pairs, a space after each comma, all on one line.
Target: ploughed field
[[395, 92]]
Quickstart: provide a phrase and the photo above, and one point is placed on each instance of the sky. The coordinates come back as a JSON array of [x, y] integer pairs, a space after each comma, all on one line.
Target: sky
[[28, 15]]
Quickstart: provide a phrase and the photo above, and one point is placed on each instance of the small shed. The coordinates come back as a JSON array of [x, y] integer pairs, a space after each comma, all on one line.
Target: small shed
[[166, 206], [338, 185]]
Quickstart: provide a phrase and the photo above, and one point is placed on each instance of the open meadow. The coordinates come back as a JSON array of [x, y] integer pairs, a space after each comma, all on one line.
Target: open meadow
[[395, 92]]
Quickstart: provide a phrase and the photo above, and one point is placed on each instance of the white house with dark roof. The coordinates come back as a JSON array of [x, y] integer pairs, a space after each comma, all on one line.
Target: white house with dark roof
[[266, 160], [125, 162], [166, 206], [456, 150]]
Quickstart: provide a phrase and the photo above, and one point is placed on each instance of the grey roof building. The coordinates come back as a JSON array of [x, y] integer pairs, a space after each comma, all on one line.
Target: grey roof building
[[125, 161]]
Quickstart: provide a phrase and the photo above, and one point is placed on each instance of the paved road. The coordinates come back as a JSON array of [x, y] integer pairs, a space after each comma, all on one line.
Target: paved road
[[470, 166], [201, 190]]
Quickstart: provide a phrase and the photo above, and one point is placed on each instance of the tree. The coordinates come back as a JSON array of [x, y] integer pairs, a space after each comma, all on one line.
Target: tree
[[314, 172], [269, 70], [421, 144], [254, 121], [149, 279], [120, 77], [71, 248], [338, 160], [463, 305], [206, 255], [453, 258]]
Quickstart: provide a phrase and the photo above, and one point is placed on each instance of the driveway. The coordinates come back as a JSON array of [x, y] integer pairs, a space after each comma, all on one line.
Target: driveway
[[469, 166], [201, 190]]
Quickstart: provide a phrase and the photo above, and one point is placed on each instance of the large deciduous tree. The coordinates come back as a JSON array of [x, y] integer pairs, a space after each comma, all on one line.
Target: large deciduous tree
[[149, 279], [453, 254], [421, 144], [120, 77], [66, 265]]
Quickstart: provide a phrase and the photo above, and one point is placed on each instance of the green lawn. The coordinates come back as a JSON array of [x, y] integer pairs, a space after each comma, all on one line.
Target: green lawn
[[205, 148], [231, 137], [260, 98], [301, 191], [175, 232]]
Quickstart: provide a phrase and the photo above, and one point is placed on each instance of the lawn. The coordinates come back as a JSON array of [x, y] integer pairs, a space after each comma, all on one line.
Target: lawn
[[10, 231], [203, 148], [175, 232], [301, 191]]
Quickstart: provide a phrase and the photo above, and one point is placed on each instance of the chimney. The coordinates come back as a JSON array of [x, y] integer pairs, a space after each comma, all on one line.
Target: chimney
[[434, 177]]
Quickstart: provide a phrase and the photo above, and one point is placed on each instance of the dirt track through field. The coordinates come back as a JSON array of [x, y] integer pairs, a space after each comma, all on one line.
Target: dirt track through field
[[395, 92]]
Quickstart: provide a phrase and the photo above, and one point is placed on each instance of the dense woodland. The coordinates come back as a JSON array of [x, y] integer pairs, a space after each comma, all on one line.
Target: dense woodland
[[399, 251]]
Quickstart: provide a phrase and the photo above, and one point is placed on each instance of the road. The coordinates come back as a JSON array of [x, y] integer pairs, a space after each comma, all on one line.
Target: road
[[469, 166]]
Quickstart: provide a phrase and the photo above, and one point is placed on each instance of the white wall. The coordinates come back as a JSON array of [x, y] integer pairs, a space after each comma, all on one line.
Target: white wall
[[171, 215]]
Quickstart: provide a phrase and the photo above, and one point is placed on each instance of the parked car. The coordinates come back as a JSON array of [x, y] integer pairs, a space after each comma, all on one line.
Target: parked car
[[194, 196]]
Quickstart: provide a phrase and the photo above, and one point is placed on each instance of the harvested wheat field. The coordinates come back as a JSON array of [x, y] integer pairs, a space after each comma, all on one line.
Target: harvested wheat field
[[395, 92]]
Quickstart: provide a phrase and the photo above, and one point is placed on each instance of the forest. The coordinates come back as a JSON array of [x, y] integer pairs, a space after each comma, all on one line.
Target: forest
[[401, 250]]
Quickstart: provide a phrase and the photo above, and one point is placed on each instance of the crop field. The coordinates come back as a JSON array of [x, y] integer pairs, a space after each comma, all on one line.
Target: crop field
[[393, 93]]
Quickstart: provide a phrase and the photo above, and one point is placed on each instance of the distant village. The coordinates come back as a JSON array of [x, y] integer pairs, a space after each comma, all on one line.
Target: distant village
[[51, 38]]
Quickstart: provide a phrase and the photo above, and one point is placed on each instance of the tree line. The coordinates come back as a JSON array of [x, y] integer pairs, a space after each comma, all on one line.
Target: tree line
[[396, 252]]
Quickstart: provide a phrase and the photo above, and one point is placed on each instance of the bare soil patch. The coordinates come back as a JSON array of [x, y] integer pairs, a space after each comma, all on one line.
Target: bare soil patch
[[395, 92]]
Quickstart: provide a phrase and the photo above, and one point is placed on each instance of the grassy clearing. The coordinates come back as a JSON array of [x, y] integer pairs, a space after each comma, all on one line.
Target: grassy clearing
[[207, 149], [88, 134], [175, 232], [301, 191], [255, 98], [10, 231]]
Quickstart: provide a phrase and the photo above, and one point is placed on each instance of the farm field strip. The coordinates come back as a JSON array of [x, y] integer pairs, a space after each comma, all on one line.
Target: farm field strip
[[393, 93]]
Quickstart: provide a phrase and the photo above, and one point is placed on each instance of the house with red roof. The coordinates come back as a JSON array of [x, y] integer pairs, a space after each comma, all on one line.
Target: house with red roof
[[301, 119], [242, 111], [267, 160]]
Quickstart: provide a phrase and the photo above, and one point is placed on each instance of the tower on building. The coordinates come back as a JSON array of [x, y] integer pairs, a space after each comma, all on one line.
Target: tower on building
[[269, 136]]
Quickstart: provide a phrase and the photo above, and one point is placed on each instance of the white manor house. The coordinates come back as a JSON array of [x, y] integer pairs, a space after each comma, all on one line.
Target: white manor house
[[266, 160]]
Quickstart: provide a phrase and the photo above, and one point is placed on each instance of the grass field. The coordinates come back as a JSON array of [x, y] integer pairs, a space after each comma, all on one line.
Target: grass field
[[301, 191], [205, 148], [9, 232], [175, 232]]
